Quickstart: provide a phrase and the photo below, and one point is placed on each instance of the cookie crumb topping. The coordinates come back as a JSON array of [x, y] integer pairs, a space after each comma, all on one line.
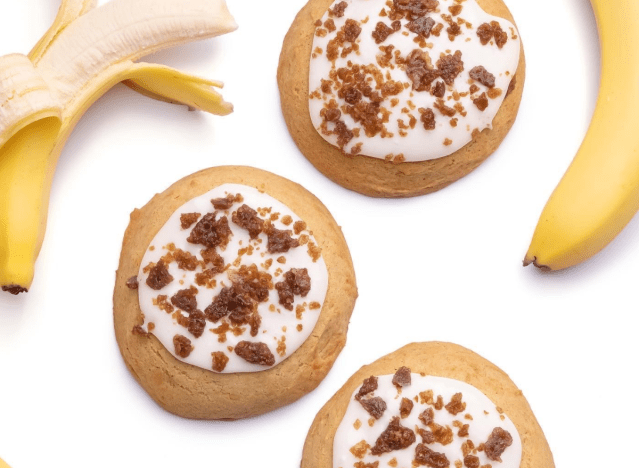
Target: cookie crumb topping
[[415, 427], [209, 289], [377, 65]]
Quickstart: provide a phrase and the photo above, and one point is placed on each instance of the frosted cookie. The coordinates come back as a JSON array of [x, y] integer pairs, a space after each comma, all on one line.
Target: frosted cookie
[[427, 404], [396, 98], [233, 294]]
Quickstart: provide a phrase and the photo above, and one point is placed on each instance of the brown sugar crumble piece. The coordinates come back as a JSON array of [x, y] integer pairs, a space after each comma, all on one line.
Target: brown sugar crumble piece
[[210, 232], [443, 434], [481, 102], [369, 385], [279, 241], [394, 437], [382, 31], [421, 26], [187, 219], [405, 407], [255, 353], [296, 283], [486, 32], [471, 461], [210, 256], [132, 282], [374, 406], [455, 406], [223, 203], [455, 9], [450, 66], [427, 436], [247, 218], [428, 118], [185, 260], [219, 361], [427, 416], [494, 93], [158, 277], [361, 464], [402, 377], [428, 457], [483, 76], [185, 299], [392, 462], [352, 30], [498, 441], [360, 449], [338, 10], [420, 71], [182, 346]]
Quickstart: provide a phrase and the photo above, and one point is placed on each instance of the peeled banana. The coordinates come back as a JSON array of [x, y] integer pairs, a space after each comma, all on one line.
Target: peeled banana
[[86, 51], [599, 193]]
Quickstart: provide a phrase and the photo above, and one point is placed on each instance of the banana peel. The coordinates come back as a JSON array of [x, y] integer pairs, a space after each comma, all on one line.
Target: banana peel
[[43, 95]]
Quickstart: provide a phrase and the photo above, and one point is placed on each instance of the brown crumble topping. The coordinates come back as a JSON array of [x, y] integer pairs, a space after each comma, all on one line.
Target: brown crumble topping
[[382, 31], [361, 464], [444, 109], [471, 461], [494, 93], [450, 66], [298, 227], [498, 441], [357, 424], [448, 142], [428, 457], [151, 326], [394, 437], [211, 232], [132, 282], [223, 203], [439, 403], [427, 416], [443, 434], [360, 449], [286, 220], [279, 241], [374, 406], [467, 447], [321, 32], [486, 32], [299, 327], [371, 422], [162, 304], [329, 24], [205, 279], [458, 464], [187, 219], [483, 76], [185, 299], [314, 305], [427, 118], [481, 102], [182, 346], [296, 283], [427, 436], [338, 10], [247, 218], [185, 260], [421, 26], [392, 462], [158, 277], [369, 385], [455, 406], [314, 251], [281, 346], [255, 353], [405, 407], [455, 9], [402, 377], [219, 361]]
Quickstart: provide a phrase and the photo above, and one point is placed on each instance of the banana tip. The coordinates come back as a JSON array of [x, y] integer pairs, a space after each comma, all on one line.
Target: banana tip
[[528, 261], [14, 289]]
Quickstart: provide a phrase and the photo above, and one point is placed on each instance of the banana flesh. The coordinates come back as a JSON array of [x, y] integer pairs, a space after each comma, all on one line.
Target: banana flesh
[[599, 194], [42, 96]]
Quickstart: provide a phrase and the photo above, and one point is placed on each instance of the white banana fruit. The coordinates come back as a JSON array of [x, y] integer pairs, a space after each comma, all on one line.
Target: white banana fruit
[[43, 95]]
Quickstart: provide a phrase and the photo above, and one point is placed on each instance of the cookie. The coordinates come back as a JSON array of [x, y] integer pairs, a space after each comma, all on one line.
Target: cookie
[[427, 404], [233, 294], [400, 98]]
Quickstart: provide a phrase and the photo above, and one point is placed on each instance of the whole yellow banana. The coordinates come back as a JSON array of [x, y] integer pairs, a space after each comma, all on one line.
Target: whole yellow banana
[[43, 96], [599, 193]]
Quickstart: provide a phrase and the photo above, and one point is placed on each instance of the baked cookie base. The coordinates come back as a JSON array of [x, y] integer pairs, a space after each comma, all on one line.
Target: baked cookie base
[[442, 360], [192, 392], [371, 176]]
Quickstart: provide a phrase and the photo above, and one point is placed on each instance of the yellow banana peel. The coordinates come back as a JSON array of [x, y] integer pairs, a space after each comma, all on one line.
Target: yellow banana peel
[[599, 194], [86, 51]]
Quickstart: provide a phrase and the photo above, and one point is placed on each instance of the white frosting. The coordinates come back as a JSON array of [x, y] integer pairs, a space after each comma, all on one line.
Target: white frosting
[[277, 322], [485, 417], [417, 144]]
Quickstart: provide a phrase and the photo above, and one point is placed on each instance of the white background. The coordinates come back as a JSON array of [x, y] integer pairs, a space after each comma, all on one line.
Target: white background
[[446, 266]]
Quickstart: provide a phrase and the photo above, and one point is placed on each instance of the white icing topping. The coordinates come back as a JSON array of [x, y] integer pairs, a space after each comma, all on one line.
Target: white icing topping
[[485, 417], [279, 326], [404, 137]]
